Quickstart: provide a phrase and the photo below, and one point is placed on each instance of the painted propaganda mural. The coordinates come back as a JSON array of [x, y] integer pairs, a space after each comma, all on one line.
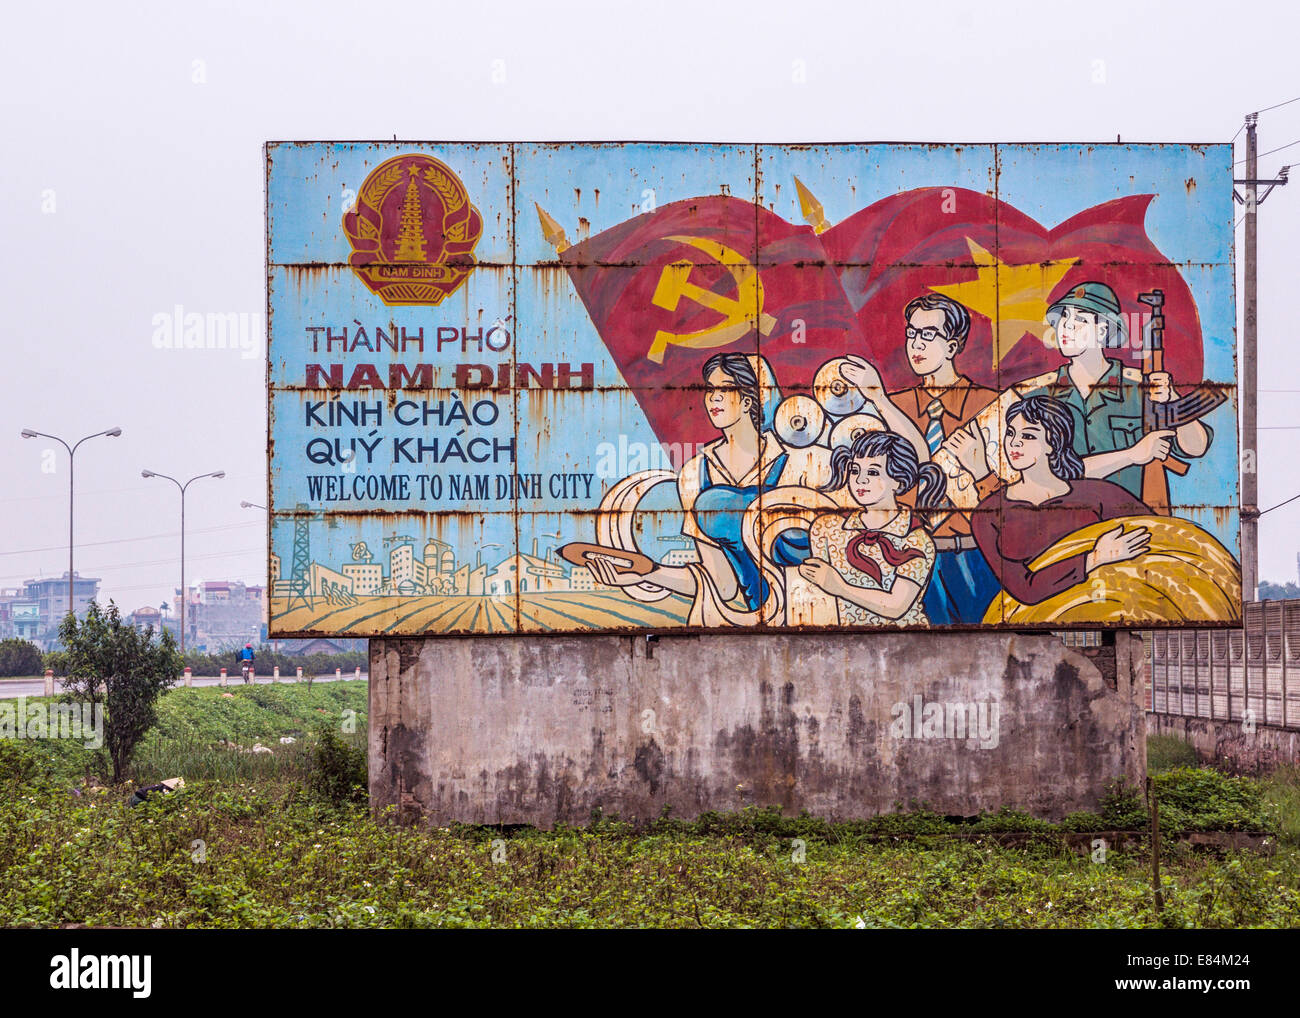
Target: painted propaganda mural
[[529, 388]]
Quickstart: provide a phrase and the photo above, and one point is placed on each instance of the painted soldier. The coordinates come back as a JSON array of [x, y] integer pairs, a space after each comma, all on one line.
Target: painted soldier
[[1105, 397]]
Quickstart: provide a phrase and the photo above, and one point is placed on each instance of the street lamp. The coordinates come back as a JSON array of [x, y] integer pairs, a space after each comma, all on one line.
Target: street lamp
[[185, 600], [251, 505], [72, 452]]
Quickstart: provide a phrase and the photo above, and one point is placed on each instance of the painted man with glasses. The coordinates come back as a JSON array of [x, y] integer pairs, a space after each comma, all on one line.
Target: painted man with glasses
[[942, 401]]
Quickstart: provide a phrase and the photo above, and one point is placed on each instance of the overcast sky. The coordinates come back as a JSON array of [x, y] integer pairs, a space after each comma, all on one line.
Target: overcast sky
[[133, 183]]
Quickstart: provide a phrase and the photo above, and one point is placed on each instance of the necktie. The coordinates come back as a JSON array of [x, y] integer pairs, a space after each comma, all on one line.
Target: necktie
[[934, 430]]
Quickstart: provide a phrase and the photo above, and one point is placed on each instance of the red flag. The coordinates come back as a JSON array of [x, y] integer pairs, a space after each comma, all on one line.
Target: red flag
[[668, 289], [959, 242]]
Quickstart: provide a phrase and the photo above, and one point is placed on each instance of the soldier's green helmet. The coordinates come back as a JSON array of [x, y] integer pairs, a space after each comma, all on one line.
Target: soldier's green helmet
[[1098, 298]]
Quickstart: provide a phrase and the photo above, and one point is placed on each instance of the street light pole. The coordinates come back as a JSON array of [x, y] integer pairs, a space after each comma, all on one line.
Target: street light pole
[[185, 606], [72, 460]]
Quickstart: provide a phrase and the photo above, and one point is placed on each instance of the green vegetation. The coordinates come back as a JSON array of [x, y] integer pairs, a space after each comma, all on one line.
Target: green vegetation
[[210, 733], [1277, 591], [1282, 790], [119, 671], [1166, 751], [19, 658], [285, 839]]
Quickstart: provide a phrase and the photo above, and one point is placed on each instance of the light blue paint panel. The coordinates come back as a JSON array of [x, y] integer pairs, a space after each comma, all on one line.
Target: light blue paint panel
[[589, 188], [564, 380], [1190, 219], [847, 178], [311, 185]]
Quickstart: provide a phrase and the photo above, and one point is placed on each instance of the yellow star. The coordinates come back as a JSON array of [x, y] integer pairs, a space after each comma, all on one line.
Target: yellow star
[[1013, 297]]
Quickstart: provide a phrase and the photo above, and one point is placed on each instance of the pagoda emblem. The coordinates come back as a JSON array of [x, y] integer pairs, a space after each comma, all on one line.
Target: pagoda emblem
[[413, 231]]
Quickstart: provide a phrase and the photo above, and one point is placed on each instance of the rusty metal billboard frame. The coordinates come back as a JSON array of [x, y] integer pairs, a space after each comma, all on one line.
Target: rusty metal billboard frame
[[557, 265]]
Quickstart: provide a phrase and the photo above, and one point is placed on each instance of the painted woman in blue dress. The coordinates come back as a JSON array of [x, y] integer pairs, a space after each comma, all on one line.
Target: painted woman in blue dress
[[716, 487]]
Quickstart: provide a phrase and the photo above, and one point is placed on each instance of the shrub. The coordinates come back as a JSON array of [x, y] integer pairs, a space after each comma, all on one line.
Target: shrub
[[131, 669], [338, 769], [19, 657], [1165, 752]]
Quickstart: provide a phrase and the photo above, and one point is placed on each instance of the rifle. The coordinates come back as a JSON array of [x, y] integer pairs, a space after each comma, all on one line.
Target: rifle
[[1166, 416]]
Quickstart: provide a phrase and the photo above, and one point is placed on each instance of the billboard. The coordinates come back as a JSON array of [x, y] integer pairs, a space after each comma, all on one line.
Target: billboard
[[536, 388]]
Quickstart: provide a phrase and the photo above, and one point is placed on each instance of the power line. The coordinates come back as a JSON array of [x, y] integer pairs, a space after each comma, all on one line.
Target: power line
[[1279, 505], [132, 540], [154, 562], [145, 586], [1279, 105], [63, 494], [169, 561], [1260, 155]]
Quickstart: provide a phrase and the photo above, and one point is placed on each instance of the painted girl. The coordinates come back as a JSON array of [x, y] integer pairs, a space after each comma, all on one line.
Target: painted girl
[[876, 560], [1050, 500]]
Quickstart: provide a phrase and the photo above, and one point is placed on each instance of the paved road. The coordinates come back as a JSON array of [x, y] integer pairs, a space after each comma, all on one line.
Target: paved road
[[13, 688]]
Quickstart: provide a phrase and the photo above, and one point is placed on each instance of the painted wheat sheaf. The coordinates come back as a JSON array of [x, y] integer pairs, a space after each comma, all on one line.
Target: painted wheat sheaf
[[1185, 576]]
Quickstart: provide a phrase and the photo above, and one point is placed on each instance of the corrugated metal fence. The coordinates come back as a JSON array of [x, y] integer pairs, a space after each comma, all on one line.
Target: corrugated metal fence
[[1252, 673]]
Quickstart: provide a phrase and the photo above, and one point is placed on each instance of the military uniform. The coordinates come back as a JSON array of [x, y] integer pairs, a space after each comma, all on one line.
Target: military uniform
[[1109, 419]]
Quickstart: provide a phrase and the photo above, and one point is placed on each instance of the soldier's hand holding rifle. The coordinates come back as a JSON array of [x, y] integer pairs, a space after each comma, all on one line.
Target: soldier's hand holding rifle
[[1150, 447]]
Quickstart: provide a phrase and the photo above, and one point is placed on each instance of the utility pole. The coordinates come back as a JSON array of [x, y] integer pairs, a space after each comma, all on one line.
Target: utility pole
[[1249, 369], [1249, 365]]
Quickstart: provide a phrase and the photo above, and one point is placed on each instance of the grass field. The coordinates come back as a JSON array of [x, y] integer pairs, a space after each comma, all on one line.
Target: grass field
[[248, 842]]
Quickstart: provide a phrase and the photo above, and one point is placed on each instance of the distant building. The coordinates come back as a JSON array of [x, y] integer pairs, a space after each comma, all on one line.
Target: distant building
[[407, 574], [20, 616], [439, 559], [145, 618], [318, 646], [50, 596], [222, 614], [217, 591], [325, 582], [366, 577], [580, 578], [526, 574], [467, 581]]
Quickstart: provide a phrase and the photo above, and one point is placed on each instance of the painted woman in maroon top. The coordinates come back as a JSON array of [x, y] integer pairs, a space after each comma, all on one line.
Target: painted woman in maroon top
[[1050, 500]]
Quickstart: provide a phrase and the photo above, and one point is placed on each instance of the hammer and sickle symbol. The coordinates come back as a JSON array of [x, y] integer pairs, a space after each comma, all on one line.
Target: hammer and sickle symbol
[[675, 283]]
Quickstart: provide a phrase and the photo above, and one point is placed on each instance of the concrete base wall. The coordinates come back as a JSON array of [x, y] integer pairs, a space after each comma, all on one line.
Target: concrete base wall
[[1224, 744], [542, 730]]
